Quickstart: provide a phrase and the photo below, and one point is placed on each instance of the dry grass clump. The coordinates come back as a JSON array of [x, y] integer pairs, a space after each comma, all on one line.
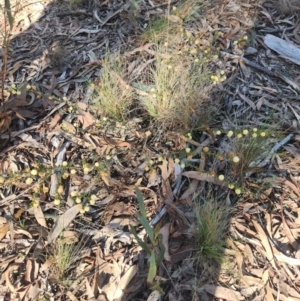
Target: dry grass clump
[[177, 90], [161, 30], [113, 96], [64, 255], [189, 9]]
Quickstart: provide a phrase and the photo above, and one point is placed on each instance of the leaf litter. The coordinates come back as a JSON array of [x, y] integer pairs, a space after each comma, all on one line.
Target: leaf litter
[[261, 258]]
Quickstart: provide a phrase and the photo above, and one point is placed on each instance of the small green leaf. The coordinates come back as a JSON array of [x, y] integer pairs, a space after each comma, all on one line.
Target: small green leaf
[[152, 269], [162, 248], [140, 242], [147, 227], [9, 14], [141, 202]]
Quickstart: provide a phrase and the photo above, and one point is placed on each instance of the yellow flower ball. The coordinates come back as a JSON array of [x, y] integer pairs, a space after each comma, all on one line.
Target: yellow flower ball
[[147, 168], [65, 163], [108, 157], [73, 171], [245, 132], [73, 193], [78, 200], [230, 134], [239, 135], [254, 130], [218, 132], [92, 202], [205, 149], [36, 189], [86, 171], [82, 211], [56, 202], [177, 160], [34, 172], [187, 150], [93, 197], [60, 189], [263, 134], [230, 186], [65, 175], [221, 177], [238, 191], [182, 165], [254, 135], [235, 159], [29, 181], [86, 208], [45, 189], [97, 164], [2, 180]]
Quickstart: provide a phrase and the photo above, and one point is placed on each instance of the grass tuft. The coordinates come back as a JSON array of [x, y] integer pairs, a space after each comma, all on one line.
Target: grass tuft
[[177, 89], [64, 254], [248, 150], [113, 96], [212, 222]]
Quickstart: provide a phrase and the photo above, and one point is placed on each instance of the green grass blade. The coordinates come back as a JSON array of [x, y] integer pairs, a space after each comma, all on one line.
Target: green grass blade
[[140, 242], [162, 248], [141, 201], [143, 216], [9, 14], [152, 269], [147, 227]]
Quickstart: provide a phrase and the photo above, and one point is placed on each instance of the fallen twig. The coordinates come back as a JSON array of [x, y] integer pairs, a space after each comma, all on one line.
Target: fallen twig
[[265, 70], [275, 148], [103, 22]]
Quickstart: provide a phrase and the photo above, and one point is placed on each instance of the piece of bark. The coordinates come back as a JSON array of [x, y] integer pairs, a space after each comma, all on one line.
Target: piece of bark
[[284, 48]]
